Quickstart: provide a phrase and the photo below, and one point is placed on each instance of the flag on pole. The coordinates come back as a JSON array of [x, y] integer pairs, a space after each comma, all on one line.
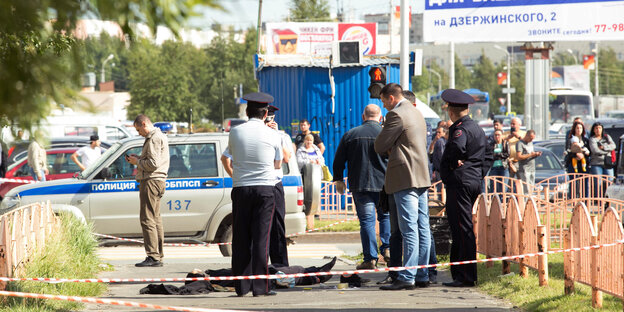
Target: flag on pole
[[501, 78], [588, 61]]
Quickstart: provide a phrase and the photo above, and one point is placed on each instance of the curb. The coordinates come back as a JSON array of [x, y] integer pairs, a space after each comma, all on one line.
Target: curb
[[329, 237]]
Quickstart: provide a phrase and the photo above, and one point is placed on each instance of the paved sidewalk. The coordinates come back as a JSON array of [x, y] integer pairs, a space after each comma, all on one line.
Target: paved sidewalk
[[309, 298]]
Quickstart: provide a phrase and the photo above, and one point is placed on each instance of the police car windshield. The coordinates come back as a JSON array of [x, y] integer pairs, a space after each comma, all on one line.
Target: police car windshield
[[87, 172]]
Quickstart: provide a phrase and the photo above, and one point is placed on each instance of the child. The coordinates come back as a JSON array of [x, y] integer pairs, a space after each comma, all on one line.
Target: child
[[575, 147]]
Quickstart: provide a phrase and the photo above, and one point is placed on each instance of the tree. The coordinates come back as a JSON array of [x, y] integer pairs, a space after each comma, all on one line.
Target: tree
[[484, 78], [39, 59], [463, 77], [310, 10], [165, 82]]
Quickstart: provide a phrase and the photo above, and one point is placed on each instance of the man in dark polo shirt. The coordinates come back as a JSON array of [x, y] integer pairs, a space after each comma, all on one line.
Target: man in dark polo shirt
[[304, 126]]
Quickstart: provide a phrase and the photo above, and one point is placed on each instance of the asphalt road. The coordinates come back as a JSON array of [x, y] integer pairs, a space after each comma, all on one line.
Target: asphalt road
[[309, 298]]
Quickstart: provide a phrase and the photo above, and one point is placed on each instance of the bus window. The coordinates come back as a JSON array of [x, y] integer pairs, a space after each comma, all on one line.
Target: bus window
[[564, 108]]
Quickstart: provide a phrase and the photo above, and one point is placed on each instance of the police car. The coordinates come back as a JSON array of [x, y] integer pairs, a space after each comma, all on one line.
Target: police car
[[196, 205]]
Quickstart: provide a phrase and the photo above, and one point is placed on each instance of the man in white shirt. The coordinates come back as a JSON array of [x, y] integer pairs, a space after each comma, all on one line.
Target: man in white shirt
[[88, 154]]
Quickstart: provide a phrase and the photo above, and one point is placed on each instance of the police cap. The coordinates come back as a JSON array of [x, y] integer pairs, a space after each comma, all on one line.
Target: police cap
[[258, 99], [272, 110], [457, 98]]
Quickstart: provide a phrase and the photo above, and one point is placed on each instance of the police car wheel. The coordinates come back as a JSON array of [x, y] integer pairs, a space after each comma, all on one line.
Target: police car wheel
[[226, 237]]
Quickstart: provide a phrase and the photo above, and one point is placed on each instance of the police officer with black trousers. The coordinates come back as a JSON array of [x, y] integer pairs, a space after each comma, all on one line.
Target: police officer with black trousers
[[463, 167], [256, 153]]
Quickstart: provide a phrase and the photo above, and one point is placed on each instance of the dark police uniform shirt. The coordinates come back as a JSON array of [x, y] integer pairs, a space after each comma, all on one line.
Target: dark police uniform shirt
[[466, 142]]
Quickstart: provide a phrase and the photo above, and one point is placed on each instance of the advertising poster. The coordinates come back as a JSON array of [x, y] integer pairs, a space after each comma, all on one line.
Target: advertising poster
[[316, 38], [522, 20]]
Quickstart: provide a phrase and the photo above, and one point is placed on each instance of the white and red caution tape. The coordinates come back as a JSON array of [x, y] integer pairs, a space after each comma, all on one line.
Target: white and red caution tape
[[219, 244], [2, 180], [274, 276], [109, 302]]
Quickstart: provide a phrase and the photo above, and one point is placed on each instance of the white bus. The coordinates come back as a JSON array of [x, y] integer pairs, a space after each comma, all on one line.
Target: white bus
[[566, 104]]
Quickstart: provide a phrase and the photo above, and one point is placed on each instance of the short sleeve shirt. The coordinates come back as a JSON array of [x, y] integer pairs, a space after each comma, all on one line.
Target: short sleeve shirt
[[522, 147], [88, 155], [254, 148]]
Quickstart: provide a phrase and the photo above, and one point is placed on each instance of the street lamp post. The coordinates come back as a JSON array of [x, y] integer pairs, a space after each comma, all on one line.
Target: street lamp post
[[496, 46], [573, 55], [103, 77], [439, 78]]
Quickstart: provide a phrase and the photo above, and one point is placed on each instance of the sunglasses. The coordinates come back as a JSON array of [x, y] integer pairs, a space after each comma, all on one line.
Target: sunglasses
[[285, 41]]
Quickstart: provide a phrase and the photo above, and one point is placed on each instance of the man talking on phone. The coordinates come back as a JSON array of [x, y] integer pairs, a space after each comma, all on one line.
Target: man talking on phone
[[512, 137], [152, 166]]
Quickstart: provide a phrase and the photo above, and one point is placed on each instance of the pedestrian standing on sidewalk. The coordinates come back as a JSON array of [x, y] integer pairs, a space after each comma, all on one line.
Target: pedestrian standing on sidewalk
[[152, 166], [403, 139], [256, 153], [37, 160], [463, 167], [366, 170]]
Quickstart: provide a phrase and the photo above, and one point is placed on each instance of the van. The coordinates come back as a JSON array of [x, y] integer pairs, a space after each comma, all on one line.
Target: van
[[196, 206]]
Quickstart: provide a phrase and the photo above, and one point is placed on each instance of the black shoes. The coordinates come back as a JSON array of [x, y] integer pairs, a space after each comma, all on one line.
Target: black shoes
[[457, 283], [422, 284], [433, 279], [385, 281], [270, 293], [398, 285], [353, 280], [326, 268], [149, 262]]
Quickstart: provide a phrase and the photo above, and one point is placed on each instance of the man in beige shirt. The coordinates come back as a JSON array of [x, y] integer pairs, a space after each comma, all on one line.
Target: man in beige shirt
[[512, 137], [152, 166], [37, 159]]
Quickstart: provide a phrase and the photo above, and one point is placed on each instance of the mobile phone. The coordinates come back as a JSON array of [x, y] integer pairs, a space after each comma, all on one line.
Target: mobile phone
[[127, 156]]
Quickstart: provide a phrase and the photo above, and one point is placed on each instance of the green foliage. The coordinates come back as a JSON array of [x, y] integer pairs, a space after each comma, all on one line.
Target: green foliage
[[69, 253], [349, 226], [463, 77], [529, 296], [485, 78], [611, 72], [96, 50], [167, 81], [164, 80], [310, 11], [40, 63]]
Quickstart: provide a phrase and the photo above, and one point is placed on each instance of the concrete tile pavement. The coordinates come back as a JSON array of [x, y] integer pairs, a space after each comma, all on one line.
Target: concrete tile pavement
[[308, 298]]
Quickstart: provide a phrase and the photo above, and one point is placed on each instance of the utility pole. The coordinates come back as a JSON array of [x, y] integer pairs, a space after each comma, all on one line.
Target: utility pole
[[404, 59], [596, 84], [103, 77], [259, 29], [496, 46], [452, 65]]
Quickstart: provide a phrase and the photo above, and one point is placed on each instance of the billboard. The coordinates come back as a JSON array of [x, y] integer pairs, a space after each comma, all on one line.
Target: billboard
[[317, 38], [522, 20]]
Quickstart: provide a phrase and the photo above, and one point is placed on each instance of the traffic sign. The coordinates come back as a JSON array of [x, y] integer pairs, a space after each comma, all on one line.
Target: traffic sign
[[509, 90]]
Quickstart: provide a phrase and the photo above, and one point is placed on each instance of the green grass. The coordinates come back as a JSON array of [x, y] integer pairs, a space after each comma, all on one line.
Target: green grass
[[349, 226], [69, 253], [528, 295]]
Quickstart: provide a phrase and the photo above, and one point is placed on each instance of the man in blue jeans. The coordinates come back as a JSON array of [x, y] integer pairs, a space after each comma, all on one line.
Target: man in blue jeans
[[403, 139], [366, 178]]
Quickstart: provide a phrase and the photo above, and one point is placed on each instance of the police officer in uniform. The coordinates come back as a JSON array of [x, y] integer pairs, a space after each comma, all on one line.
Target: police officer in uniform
[[463, 167], [256, 153]]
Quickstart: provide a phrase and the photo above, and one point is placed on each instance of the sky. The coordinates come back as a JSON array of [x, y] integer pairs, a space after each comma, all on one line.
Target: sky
[[244, 13]]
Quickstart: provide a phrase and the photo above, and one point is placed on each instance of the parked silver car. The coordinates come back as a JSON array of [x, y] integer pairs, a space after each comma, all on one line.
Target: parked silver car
[[196, 204]]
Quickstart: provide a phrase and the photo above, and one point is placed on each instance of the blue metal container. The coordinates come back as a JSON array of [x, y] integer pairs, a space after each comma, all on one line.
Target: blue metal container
[[304, 91]]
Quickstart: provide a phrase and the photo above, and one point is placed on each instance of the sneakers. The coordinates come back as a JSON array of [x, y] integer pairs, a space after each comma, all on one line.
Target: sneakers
[[149, 262], [367, 265]]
